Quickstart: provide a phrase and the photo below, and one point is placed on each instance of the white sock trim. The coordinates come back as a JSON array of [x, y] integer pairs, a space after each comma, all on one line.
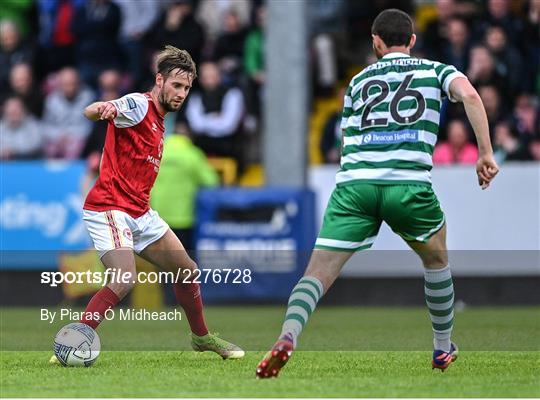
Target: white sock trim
[[437, 275]]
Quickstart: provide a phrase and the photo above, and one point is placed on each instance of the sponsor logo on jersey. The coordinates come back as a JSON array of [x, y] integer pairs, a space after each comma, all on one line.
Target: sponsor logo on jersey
[[155, 161], [131, 103], [154, 126], [125, 104], [390, 137]]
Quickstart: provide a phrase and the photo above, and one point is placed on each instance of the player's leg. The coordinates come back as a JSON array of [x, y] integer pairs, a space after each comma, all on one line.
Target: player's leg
[[122, 262], [112, 237], [167, 252], [414, 212], [349, 225], [432, 252], [323, 269], [439, 296]]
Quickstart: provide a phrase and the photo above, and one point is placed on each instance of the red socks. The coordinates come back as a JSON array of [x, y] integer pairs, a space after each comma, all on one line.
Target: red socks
[[187, 294], [102, 301], [189, 297]]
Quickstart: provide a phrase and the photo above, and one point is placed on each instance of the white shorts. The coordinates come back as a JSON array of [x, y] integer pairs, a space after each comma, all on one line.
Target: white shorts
[[112, 229]]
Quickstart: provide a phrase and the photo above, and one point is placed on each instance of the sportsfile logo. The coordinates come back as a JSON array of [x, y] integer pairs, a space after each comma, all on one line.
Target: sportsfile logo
[[390, 137], [203, 275]]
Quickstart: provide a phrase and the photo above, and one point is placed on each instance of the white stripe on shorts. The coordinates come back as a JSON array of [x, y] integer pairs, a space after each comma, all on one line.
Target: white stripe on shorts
[[344, 244]]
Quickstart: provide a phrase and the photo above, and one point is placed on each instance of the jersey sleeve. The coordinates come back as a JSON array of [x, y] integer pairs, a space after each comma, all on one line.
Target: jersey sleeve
[[445, 75], [132, 109], [347, 107]]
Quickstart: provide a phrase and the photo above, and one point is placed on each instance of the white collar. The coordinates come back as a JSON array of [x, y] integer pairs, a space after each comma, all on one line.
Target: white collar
[[395, 54]]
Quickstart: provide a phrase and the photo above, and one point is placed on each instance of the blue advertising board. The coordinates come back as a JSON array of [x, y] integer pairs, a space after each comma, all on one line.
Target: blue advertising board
[[264, 236], [40, 213]]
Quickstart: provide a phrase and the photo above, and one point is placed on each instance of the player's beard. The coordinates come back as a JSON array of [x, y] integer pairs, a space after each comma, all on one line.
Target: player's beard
[[167, 105]]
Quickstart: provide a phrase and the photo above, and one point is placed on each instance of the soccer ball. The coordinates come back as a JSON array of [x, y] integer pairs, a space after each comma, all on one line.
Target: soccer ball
[[77, 345]]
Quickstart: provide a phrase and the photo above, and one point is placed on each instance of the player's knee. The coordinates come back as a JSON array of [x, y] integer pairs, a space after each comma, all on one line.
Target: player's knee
[[187, 268], [435, 259]]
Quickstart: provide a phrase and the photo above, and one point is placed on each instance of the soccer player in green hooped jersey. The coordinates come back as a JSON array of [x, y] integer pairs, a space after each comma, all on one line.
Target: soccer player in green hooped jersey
[[390, 124]]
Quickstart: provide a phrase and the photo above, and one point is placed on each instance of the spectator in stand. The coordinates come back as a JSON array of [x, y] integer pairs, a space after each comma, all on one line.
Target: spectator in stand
[[532, 45], [457, 149], [137, 17], [20, 135], [331, 136], [254, 62], [17, 11], [534, 148], [96, 28], [21, 84], [456, 49], [212, 12], [507, 147], [56, 36], [482, 70], [214, 114], [498, 13], [325, 21], [12, 51], [508, 60], [66, 126], [492, 103], [110, 83], [149, 76], [178, 27], [436, 31], [229, 48], [526, 116]]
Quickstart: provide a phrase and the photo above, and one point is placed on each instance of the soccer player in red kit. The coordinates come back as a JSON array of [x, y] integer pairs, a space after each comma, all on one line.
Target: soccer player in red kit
[[117, 213]]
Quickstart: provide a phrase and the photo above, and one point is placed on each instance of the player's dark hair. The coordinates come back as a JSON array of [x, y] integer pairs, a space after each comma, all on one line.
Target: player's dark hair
[[394, 27], [172, 58]]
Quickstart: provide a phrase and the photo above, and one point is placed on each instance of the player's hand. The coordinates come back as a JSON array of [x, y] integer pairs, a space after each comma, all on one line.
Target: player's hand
[[107, 111], [486, 169]]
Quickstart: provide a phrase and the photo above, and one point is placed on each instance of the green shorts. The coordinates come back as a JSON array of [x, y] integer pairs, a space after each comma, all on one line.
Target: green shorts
[[355, 212]]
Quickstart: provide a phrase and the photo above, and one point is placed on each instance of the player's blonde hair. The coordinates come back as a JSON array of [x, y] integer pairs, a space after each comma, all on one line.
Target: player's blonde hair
[[171, 58]]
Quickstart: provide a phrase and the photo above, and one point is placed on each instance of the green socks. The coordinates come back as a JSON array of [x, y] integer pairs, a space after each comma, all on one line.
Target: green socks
[[302, 303], [439, 293]]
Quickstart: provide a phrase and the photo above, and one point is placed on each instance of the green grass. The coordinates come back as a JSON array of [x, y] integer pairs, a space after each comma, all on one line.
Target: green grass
[[370, 352]]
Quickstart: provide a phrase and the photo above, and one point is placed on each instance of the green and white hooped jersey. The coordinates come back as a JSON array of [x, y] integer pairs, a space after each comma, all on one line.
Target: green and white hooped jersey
[[391, 118]]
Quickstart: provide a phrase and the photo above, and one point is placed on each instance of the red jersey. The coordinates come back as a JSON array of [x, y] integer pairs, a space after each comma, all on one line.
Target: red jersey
[[131, 157]]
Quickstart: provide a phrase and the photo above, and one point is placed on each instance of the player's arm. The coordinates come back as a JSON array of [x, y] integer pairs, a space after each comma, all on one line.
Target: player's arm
[[124, 112], [461, 90], [101, 110]]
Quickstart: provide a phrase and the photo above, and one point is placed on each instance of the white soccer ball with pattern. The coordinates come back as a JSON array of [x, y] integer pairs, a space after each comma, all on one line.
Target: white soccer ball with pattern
[[77, 345]]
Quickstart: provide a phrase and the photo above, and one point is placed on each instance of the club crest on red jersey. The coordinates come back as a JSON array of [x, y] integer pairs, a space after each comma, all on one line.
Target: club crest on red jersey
[[127, 234]]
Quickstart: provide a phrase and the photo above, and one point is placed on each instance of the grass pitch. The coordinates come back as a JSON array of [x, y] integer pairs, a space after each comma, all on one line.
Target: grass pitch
[[344, 352]]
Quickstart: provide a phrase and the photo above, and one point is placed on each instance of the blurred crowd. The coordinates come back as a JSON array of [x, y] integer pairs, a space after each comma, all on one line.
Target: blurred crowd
[[498, 48], [57, 56]]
